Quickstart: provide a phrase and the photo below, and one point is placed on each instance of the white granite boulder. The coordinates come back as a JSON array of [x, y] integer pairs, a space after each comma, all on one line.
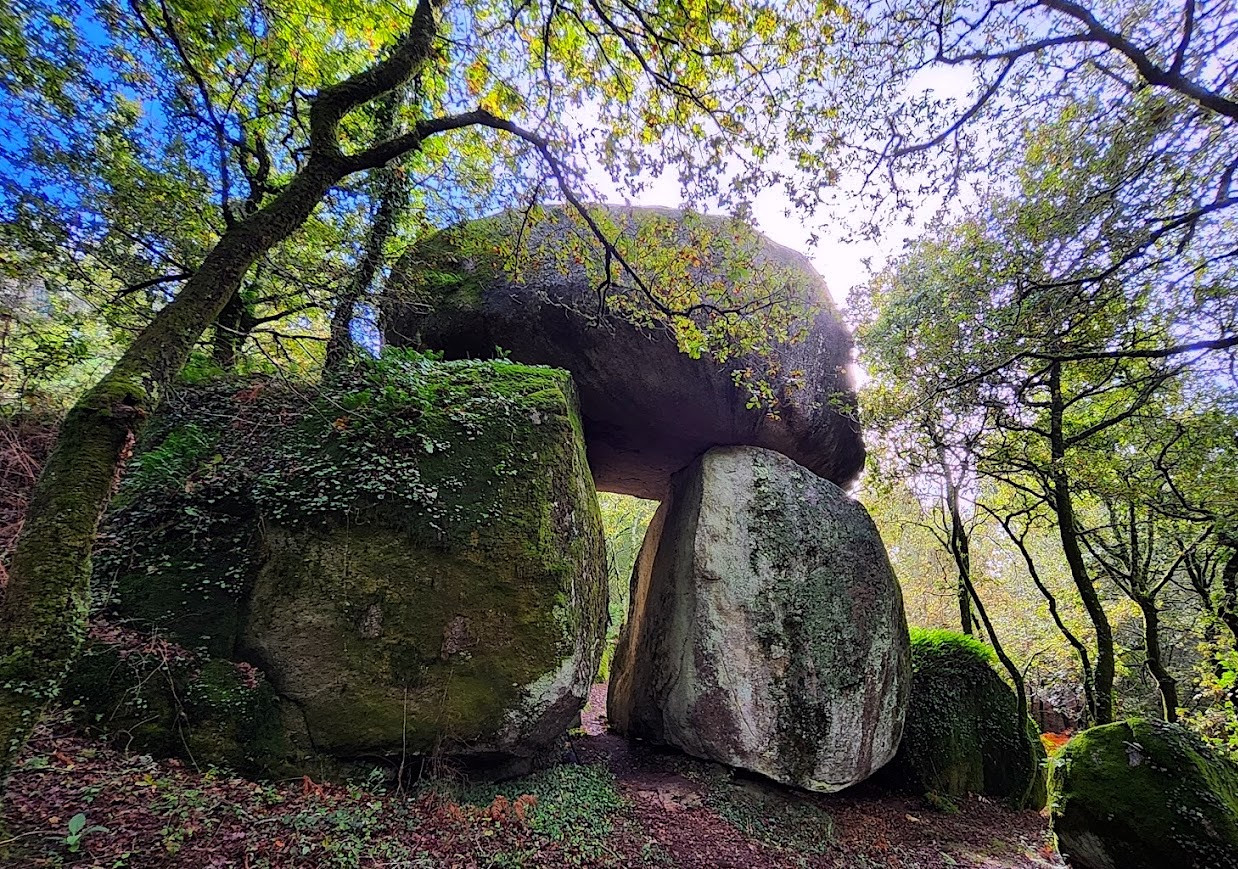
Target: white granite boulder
[[766, 627]]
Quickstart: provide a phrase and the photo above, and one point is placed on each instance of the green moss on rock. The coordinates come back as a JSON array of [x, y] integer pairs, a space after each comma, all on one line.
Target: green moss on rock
[[1143, 794], [962, 734], [411, 552], [163, 699]]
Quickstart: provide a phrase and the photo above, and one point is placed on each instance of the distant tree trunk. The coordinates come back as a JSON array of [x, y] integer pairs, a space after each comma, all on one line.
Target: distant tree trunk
[[44, 613], [1153, 659], [960, 548], [232, 327], [959, 542], [1015, 674], [1227, 606], [1085, 660], [1063, 507], [392, 192]]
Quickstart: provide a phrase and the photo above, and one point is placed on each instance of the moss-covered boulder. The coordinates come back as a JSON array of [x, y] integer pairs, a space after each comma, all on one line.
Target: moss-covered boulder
[[410, 556], [765, 627], [652, 396], [963, 734], [171, 701], [1142, 794]]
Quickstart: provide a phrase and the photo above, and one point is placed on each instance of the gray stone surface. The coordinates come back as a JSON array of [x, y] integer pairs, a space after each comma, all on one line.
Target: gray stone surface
[[766, 628], [648, 409]]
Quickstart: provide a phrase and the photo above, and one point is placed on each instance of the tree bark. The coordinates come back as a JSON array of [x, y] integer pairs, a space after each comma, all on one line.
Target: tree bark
[[1165, 683], [1063, 507]]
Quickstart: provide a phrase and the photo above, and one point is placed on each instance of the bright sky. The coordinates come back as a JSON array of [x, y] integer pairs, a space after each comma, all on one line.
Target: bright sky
[[840, 263]]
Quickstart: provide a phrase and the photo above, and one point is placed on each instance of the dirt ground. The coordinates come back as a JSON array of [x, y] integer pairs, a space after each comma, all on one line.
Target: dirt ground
[[77, 802]]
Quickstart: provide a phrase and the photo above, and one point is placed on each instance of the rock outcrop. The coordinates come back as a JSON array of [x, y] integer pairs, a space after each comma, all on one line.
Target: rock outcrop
[[648, 408], [1142, 794], [963, 735], [406, 561], [766, 628]]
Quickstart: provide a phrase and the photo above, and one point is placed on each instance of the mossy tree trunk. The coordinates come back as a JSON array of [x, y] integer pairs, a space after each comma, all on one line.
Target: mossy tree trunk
[[44, 612]]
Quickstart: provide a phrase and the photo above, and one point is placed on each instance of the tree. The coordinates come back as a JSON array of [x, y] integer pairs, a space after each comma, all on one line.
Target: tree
[[972, 317], [1148, 85], [931, 447], [505, 81]]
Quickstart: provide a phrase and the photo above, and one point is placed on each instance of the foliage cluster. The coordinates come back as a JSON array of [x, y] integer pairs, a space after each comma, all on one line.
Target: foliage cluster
[[625, 520]]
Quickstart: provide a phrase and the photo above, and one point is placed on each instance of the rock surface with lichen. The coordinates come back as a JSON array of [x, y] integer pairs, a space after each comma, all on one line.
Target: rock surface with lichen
[[406, 561], [766, 628], [653, 394], [1142, 794], [963, 734]]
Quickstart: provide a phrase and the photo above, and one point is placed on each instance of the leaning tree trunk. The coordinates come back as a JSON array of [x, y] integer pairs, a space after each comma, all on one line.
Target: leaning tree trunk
[[43, 615], [1015, 674]]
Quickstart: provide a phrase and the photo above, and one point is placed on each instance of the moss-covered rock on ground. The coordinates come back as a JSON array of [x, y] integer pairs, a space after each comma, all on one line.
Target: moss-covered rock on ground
[[411, 552], [962, 734], [169, 701], [1142, 794]]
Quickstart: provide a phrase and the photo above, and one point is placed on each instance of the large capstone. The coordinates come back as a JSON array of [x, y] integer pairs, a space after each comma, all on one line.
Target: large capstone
[[766, 628], [651, 401], [406, 561]]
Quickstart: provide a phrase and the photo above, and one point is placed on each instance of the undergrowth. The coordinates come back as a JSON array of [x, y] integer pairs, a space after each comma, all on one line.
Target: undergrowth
[[761, 811]]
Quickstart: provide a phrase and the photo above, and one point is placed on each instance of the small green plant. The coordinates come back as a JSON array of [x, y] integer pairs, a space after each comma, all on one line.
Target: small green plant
[[942, 802], [572, 805], [77, 831]]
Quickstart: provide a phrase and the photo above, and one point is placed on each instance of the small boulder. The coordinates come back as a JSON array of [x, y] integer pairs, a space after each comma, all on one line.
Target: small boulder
[[410, 556], [1141, 794], [651, 400], [765, 628], [962, 734]]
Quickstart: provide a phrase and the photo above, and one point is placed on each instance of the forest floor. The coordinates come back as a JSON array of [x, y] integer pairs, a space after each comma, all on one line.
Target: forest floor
[[77, 802]]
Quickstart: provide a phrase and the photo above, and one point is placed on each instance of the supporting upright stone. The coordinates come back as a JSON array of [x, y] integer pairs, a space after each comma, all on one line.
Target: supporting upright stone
[[766, 628]]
